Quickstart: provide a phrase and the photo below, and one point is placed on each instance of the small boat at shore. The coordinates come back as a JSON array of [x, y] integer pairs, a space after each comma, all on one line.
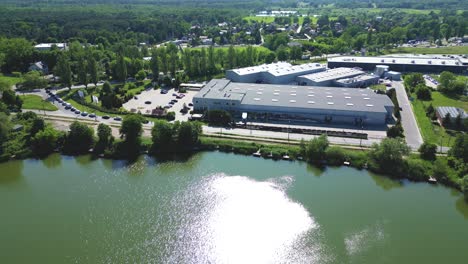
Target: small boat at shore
[[286, 157], [346, 163], [432, 180], [257, 154]]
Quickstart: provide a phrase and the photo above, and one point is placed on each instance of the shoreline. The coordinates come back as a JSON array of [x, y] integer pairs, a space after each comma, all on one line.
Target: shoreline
[[355, 158]]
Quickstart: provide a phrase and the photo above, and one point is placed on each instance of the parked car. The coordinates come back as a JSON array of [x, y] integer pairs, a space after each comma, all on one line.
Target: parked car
[[92, 115], [147, 102], [174, 94], [135, 97], [167, 106], [84, 113], [73, 109], [174, 100], [67, 107], [171, 103], [164, 91], [117, 118], [105, 117], [77, 112], [190, 104]]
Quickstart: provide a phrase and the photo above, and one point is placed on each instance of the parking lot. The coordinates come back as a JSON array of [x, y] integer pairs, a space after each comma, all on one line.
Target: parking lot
[[150, 99]]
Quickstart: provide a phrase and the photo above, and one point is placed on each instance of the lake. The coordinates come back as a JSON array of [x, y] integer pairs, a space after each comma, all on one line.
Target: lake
[[217, 207]]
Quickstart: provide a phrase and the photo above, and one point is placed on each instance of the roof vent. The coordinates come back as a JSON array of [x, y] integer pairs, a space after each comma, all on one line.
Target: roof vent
[[366, 98], [348, 97], [310, 95], [274, 100], [369, 105], [310, 102], [292, 101], [329, 96], [257, 99], [349, 104], [330, 103]]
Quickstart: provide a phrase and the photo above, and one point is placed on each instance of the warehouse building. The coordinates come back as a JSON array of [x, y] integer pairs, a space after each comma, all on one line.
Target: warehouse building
[[328, 77], [360, 81], [401, 64], [298, 104], [453, 112], [275, 73]]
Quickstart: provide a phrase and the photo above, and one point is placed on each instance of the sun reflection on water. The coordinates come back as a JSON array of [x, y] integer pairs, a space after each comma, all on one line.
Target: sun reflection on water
[[234, 219]]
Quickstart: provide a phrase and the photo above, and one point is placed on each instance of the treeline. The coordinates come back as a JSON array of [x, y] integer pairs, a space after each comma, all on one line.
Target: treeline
[[39, 139], [364, 30], [97, 25]]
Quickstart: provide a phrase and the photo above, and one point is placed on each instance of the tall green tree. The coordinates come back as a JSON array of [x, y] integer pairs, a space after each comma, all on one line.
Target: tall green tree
[[63, 70], [93, 70], [316, 149], [79, 139], [387, 157], [82, 71], [121, 68], [162, 136]]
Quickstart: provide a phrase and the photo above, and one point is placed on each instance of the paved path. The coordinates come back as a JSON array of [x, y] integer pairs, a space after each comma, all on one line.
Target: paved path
[[408, 120]]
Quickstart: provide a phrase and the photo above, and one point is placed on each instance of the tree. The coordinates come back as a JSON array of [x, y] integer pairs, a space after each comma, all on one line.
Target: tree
[[83, 71], [395, 131], [316, 149], [131, 128], [154, 64], [423, 92], [106, 88], [63, 70], [37, 125], [459, 150], [121, 69], [162, 136], [447, 121], [465, 186], [439, 170], [141, 75], [387, 157], [412, 80], [45, 141], [445, 80], [93, 70], [79, 139], [428, 151], [218, 117], [5, 127], [187, 135], [105, 138], [11, 99], [416, 169], [33, 80]]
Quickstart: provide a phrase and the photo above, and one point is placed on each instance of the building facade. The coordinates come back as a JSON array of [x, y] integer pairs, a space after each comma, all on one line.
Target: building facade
[[400, 64], [298, 104]]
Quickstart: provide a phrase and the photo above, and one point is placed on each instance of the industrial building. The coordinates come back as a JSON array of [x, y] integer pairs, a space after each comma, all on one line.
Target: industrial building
[[359, 81], [275, 73], [328, 77], [453, 112], [298, 104], [401, 64]]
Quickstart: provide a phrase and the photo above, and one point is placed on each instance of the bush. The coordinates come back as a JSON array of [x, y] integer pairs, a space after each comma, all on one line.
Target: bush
[[16, 74], [335, 155], [170, 116], [218, 117], [423, 92], [428, 151], [417, 170], [465, 186], [395, 131]]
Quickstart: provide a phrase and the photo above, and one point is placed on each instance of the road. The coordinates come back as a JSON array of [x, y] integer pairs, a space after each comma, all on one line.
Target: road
[[408, 120]]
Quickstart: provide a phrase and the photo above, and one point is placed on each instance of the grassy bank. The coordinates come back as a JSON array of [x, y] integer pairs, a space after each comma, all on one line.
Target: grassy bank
[[441, 50], [431, 131], [36, 102]]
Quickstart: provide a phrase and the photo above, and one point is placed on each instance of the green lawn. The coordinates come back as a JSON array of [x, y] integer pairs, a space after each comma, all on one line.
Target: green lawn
[[432, 131], [36, 102], [441, 50], [259, 19], [439, 99], [10, 80], [380, 87]]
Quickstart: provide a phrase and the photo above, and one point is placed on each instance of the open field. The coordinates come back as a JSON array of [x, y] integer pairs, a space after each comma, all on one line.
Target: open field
[[441, 50], [10, 80], [36, 102], [430, 131]]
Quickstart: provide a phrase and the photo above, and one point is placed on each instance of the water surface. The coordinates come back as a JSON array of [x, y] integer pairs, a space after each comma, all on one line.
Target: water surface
[[222, 208]]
